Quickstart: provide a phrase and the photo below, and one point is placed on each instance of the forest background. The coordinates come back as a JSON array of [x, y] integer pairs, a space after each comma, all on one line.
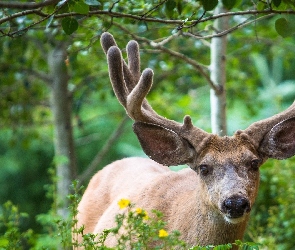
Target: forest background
[[59, 117]]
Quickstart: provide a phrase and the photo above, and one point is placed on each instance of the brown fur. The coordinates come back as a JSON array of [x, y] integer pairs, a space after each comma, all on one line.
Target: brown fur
[[190, 204], [208, 203]]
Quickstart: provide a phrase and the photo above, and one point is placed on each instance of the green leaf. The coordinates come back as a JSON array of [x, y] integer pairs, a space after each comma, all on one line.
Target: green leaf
[[69, 25], [291, 23], [276, 2], [282, 27], [169, 8], [170, 5], [238, 242], [81, 8], [229, 4], [209, 4], [260, 6], [179, 7], [4, 242], [92, 3]]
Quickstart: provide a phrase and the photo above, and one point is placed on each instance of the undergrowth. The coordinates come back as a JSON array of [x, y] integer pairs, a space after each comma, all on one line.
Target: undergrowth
[[135, 229]]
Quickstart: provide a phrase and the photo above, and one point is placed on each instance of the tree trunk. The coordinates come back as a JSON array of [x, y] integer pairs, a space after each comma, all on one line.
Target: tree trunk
[[65, 159], [218, 75]]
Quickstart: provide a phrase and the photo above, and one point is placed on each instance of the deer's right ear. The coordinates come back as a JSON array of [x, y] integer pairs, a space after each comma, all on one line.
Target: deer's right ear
[[279, 142], [163, 145]]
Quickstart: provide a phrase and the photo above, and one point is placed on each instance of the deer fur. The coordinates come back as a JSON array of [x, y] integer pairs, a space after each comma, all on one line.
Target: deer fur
[[210, 202]]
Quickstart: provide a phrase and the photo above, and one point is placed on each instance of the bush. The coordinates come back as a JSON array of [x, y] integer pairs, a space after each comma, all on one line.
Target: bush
[[10, 219], [135, 229], [273, 220]]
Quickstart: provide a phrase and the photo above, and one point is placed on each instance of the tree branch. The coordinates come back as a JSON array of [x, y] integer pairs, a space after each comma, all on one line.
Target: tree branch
[[177, 22], [154, 8], [35, 9], [245, 13], [99, 157], [200, 68], [27, 6], [225, 32], [40, 75], [22, 13], [174, 22], [190, 61]]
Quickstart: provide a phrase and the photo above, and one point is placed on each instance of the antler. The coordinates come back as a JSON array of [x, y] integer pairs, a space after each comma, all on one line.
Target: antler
[[131, 87], [167, 141]]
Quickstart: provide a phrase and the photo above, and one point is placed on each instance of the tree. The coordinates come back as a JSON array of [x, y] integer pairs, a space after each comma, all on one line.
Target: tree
[[176, 36], [218, 75], [61, 106], [71, 12]]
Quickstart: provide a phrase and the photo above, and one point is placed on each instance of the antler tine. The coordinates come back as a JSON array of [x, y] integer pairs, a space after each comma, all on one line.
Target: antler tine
[[131, 74], [139, 109], [107, 41], [137, 97], [133, 59], [124, 78], [115, 63]]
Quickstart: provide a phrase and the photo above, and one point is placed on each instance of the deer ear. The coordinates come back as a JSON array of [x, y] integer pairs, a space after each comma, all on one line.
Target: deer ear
[[279, 142], [163, 145]]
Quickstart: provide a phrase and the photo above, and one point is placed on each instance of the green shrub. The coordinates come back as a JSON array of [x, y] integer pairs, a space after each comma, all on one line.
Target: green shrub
[[135, 229], [10, 219], [273, 219]]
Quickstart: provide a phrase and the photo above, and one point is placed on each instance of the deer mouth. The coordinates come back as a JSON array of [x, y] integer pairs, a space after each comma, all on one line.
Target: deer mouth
[[234, 220]]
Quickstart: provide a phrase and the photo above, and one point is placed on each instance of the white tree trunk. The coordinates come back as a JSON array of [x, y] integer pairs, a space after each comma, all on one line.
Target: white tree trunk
[[218, 76], [65, 160]]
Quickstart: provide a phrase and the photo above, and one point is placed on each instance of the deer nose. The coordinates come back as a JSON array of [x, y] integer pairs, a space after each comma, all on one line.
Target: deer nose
[[236, 206]]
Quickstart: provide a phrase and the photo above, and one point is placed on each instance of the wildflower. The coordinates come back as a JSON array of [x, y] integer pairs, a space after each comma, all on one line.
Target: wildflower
[[123, 203], [138, 210], [145, 216], [163, 233], [142, 213]]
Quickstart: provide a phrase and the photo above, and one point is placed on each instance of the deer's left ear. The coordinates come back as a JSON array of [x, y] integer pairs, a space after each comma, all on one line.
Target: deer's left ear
[[279, 142], [163, 145]]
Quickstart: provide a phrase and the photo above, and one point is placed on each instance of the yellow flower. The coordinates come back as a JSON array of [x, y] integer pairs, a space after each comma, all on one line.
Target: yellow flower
[[163, 233], [141, 212], [123, 203], [138, 210], [145, 217]]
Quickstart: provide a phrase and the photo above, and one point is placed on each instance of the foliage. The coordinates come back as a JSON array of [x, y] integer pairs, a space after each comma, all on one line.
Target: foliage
[[184, 15], [10, 221], [22, 159], [260, 82], [241, 245], [272, 222], [135, 229]]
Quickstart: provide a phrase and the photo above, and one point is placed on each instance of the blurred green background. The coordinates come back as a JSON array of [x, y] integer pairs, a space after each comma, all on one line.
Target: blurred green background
[[260, 83]]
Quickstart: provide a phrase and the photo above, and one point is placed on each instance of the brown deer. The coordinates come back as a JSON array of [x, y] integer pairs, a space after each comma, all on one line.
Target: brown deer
[[210, 202]]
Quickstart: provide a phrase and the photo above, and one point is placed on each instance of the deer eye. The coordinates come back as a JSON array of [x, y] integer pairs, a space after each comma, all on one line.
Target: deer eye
[[255, 164], [204, 169]]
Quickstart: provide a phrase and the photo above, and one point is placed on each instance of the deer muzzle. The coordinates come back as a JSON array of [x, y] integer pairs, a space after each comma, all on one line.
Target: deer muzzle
[[235, 208]]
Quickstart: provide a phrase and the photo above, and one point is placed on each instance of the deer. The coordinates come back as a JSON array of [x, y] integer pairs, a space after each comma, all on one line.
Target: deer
[[210, 201]]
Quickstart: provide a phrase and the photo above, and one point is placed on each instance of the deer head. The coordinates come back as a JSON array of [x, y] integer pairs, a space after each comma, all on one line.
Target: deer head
[[227, 167]]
